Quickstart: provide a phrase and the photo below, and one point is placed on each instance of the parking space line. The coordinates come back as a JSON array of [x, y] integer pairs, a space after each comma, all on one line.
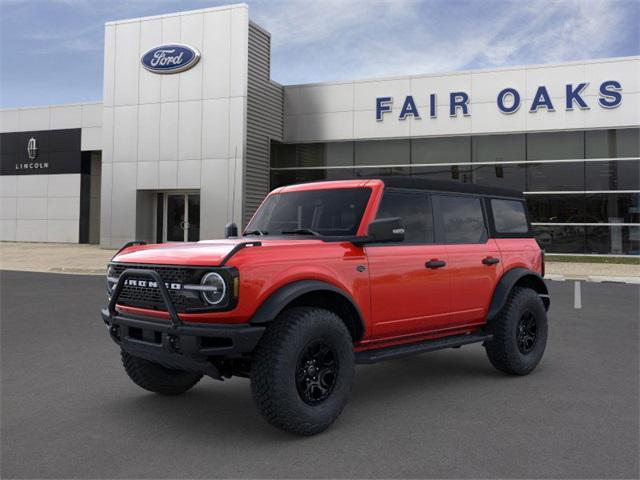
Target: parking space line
[[577, 297]]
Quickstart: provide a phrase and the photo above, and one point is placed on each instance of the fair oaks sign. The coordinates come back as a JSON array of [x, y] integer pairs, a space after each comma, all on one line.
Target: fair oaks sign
[[508, 100]]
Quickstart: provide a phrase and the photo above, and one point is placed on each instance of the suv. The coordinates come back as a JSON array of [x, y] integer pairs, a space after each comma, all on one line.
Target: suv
[[327, 275]]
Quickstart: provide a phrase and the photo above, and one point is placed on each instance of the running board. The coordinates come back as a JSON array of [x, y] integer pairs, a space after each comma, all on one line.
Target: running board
[[388, 353]]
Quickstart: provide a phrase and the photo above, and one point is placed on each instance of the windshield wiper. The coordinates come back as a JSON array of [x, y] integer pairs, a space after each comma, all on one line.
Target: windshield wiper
[[255, 232], [301, 231]]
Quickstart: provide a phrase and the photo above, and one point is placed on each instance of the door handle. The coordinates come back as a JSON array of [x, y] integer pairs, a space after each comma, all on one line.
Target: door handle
[[490, 260], [435, 264]]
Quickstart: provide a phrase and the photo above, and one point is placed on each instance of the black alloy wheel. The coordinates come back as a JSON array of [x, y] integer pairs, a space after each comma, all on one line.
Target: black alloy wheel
[[316, 372], [527, 332]]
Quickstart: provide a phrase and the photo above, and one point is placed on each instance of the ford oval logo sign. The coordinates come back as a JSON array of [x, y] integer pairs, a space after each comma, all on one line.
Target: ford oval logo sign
[[171, 58]]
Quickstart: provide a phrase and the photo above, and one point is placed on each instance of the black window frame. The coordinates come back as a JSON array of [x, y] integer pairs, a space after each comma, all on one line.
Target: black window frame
[[439, 220], [493, 231]]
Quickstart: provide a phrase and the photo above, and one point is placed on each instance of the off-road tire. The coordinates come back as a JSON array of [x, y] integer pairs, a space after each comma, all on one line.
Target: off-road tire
[[156, 378], [276, 364], [503, 350]]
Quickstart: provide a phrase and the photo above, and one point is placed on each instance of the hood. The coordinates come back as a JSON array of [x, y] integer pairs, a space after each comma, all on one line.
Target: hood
[[207, 253]]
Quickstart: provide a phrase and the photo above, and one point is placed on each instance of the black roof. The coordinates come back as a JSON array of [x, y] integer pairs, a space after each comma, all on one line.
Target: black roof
[[419, 183]]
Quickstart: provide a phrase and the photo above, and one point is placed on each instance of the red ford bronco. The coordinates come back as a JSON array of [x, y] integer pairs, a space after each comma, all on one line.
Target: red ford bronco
[[327, 275]]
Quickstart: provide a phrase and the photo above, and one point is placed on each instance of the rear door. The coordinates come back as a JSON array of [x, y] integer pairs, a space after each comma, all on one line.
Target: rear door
[[407, 296], [474, 259]]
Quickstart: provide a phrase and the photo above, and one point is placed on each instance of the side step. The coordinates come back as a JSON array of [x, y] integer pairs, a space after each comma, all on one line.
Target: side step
[[388, 353]]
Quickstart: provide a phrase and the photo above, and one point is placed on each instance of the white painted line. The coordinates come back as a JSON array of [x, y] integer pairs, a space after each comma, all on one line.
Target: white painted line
[[577, 299]]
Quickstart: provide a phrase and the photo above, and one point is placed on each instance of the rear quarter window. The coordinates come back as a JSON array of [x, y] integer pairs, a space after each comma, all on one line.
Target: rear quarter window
[[509, 216]]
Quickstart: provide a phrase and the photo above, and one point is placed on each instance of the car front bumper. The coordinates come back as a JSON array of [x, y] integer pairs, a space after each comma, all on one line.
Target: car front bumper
[[176, 344]]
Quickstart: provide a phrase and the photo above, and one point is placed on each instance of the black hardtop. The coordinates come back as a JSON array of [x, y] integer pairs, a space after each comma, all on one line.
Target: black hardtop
[[418, 183]]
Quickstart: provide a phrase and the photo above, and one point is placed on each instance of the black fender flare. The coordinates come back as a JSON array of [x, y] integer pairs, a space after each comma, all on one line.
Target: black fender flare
[[516, 276], [282, 297]]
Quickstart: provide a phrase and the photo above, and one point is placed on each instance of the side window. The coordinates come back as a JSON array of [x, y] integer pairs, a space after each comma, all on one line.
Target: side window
[[509, 216], [462, 219], [414, 210]]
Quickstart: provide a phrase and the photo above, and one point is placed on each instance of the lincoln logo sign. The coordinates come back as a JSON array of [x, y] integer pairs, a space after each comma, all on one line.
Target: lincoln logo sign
[[172, 58], [508, 101]]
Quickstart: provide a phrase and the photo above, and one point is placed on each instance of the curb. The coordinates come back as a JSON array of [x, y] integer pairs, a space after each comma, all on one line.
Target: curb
[[593, 278]]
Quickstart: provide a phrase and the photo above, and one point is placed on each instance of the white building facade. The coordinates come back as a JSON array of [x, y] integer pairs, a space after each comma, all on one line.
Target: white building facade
[[174, 156]]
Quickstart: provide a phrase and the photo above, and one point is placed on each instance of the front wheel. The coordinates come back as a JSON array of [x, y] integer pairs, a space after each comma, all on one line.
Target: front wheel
[[519, 333], [302, 371]]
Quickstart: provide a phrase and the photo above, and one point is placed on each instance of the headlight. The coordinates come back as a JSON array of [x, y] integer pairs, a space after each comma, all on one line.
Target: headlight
[[214, 288], [111, 279]]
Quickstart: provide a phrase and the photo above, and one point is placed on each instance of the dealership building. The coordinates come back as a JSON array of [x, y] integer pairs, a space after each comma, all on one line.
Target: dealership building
[[192, 133]]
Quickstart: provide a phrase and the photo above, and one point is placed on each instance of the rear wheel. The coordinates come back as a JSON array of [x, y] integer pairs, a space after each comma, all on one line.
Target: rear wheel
[[302, 371], [519, 333], [156, 378]]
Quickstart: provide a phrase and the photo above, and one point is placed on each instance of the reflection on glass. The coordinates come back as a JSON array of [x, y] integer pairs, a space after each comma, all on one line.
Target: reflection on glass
[[193, 234], [382, 152], [555, 145], [499, 148], [613, 207], [175, 218], [441, 150], [555, 176], [560, 239], [613, 240], [613, 175], [557, 208], [612, 143], [503, 176], [459, 173]]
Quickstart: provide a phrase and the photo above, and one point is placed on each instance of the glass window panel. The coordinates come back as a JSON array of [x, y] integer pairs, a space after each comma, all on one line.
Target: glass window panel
[[613, 175], [339, 153], [555, 145], [462, 219], [556, 208], [612, 143], [561, 239], [414, 210], [503, 176], [499, 148], [381, 172], [459, 173], [441, 150], [509, 216], [193, 234], [555, 176], [382, 152], [281, 178], [613, 240], [283, 155], [613, 208]]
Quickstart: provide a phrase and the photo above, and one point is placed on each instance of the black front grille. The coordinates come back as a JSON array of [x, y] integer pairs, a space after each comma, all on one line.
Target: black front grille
[[151, 298]]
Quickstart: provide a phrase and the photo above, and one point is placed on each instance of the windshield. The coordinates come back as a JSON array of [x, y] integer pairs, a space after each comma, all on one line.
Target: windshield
[[334, 212]]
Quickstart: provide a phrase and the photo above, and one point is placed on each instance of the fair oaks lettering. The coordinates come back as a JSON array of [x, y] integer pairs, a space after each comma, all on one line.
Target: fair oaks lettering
[[508, 100]]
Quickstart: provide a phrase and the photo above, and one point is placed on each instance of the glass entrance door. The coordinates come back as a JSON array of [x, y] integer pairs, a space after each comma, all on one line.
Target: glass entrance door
[[182, 217]]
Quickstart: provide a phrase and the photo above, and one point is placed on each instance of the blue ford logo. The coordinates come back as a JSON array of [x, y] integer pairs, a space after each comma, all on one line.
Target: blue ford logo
[[172, 58]]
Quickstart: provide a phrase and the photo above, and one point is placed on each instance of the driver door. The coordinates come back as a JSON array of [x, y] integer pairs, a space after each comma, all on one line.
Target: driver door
[[409, 282]]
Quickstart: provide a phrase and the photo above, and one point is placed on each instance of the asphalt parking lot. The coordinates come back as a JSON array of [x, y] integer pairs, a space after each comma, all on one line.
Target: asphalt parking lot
[[69, 411]]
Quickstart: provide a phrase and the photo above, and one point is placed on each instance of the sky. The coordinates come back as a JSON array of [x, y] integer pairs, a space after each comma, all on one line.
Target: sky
[[51, 51]]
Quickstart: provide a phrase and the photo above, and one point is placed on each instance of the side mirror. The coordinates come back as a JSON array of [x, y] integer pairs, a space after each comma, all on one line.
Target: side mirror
[[385, 230], [230, 230]]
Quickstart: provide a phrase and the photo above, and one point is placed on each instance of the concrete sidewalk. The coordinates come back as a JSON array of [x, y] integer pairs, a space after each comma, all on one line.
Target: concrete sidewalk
[[54, 257], [91, 259]]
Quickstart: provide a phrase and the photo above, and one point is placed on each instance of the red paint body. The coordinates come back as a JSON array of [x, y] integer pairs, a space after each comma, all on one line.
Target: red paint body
[[400, 300]]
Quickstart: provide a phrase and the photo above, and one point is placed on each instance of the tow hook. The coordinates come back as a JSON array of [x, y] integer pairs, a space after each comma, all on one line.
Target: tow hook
[[173, 343], [114, 331]]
